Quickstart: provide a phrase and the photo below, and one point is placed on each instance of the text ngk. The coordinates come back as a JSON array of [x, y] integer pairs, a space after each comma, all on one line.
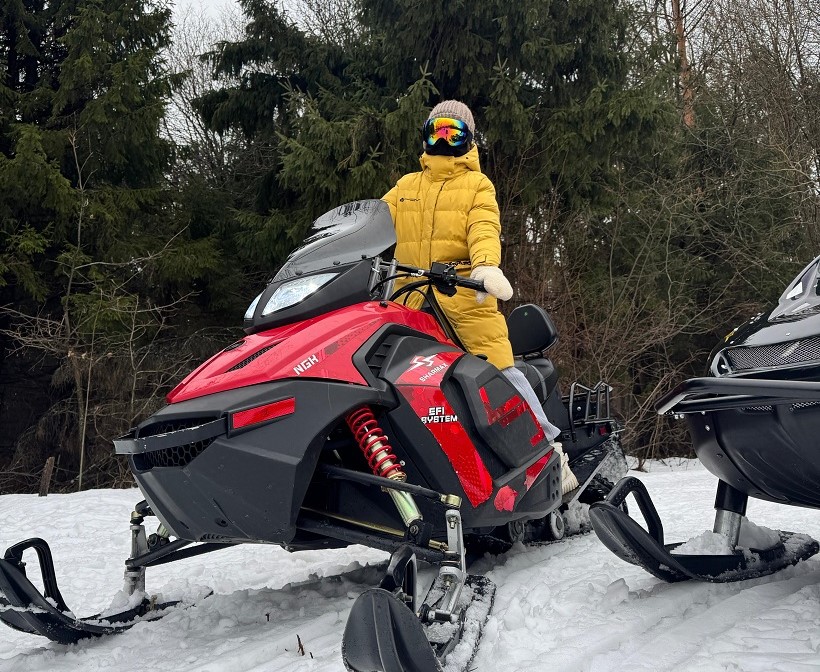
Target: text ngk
[[304, 365]]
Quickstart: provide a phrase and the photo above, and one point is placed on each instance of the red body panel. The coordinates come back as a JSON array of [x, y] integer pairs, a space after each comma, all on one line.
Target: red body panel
[[320, 347], [512, 409], [421, 386]]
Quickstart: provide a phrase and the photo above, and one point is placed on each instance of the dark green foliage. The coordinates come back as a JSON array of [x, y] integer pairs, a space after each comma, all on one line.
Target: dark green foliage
[[92, 248], [546, 81]]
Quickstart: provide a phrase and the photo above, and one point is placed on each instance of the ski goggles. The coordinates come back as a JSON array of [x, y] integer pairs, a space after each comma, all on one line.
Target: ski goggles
[[453, 131]]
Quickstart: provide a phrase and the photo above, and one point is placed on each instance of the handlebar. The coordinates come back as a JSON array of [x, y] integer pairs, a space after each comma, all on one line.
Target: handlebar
[[443, 275], [469, 283]]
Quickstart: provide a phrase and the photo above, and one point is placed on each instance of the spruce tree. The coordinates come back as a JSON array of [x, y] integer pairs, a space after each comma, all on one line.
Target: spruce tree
[[91, 245]]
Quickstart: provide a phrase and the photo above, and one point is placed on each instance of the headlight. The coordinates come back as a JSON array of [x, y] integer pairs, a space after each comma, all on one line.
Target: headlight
[[295, 291], [252, 308]]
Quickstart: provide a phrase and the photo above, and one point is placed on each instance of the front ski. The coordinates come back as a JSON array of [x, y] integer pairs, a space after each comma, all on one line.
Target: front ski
[[24, 608], [387, 631], [383, 634], [645, 548]]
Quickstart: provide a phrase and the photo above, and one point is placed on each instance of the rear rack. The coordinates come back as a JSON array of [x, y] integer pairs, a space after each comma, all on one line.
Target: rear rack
[[589, 405]]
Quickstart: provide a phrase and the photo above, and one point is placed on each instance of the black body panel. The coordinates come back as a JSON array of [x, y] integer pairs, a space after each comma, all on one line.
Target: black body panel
[[759, 436], [248, 486], [514, 440]]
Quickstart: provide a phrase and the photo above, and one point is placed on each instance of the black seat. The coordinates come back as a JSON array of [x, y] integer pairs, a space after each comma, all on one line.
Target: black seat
[[531, 330], [531, 333], [541, 374]]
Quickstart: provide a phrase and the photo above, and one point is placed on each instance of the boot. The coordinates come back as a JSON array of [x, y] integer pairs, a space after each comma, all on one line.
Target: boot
[[568, 479]]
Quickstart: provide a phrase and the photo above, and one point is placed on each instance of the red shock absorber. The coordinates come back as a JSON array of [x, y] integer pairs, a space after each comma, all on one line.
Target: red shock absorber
[[373, 443]]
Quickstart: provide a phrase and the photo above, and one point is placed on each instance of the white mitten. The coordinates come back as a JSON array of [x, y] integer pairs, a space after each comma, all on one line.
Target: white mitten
[[494, 282]]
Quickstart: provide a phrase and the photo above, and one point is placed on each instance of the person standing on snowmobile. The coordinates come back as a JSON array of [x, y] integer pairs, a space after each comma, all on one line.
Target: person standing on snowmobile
[[448, 213]]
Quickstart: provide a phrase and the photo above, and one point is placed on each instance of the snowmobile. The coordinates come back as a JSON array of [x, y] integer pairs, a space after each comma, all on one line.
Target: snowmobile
[[754, 424], [344, 417]]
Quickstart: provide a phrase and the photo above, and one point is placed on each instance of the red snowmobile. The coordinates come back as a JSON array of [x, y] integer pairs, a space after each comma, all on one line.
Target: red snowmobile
[[343, 417], [754, 424]]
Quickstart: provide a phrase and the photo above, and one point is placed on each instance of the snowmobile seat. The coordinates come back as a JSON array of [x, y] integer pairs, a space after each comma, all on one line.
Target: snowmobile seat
[[541, 375], [531, 331]]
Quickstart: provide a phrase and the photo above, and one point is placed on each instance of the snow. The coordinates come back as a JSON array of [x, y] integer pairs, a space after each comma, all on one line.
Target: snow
[[706, 543], [752, 536], [566, 606]]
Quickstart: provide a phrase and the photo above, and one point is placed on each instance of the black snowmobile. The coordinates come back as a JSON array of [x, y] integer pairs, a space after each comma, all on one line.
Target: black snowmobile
[[343, 417], [754, 424]]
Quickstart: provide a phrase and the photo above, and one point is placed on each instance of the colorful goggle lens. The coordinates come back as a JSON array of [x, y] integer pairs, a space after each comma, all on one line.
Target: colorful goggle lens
[[453, 131]]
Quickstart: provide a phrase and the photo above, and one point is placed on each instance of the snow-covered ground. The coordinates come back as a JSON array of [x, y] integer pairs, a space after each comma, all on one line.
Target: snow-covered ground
[[567, 606]]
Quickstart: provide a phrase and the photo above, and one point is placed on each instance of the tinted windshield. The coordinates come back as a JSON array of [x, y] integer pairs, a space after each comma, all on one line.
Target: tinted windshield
[[342, 236], [803, 293]]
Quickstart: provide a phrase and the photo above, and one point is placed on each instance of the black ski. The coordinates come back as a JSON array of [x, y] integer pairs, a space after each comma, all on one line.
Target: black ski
[[23, 607], [632, 543], [383, 634]]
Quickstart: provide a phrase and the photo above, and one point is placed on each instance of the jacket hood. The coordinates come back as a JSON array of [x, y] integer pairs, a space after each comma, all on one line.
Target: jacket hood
[[439, 167]]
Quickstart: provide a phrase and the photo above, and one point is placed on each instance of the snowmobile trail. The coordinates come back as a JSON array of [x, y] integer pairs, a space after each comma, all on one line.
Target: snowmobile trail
[[581, 610], [246, 628], [572, 605], [673, 640]]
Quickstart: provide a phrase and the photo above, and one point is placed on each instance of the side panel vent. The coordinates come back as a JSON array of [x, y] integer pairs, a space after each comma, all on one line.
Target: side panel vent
[[376, 360], [250, 358], [178, 456]]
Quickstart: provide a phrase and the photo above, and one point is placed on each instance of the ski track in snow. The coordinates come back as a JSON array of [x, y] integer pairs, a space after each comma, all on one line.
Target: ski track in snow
[[567, 606]]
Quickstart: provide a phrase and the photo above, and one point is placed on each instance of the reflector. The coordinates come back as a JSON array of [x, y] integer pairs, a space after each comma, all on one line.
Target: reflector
[[257, 414]]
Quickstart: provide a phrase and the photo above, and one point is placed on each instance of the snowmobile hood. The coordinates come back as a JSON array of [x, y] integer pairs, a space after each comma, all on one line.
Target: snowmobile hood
[[786, 336], [320, 347]]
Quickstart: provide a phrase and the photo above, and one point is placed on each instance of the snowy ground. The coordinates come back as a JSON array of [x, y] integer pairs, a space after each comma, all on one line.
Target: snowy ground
[[568, 606]]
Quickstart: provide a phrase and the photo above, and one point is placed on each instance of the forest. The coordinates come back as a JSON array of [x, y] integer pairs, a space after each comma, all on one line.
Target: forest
[[657, 167]]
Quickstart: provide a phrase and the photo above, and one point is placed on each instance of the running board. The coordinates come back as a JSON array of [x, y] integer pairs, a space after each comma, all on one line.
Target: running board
[[632, 543]]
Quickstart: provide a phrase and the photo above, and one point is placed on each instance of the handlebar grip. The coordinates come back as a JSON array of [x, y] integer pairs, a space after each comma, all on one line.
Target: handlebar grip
[[469, 283]]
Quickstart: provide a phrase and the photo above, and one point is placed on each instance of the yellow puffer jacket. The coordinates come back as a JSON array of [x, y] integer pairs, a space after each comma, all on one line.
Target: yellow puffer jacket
[[448, 212]]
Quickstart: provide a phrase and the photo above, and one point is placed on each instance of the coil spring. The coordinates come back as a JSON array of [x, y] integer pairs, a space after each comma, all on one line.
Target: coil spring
[[373, 444]]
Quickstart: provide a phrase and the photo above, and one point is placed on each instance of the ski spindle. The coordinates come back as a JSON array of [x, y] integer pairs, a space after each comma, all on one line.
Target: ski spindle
[[135, 578]]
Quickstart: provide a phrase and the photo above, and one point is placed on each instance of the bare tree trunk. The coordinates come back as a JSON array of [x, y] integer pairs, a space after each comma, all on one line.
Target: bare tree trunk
[[45, 479], [685, 69]]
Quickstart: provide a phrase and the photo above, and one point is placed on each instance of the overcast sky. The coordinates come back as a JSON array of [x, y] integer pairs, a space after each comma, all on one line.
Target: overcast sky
[[211, 6]]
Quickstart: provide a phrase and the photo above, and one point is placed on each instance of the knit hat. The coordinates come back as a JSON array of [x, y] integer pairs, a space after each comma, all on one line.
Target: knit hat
[[455, 109]]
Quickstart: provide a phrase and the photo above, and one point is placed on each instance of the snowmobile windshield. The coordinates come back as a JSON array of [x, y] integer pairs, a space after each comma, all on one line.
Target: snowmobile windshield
[[802, 294], [330, 270], [345, 235]]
